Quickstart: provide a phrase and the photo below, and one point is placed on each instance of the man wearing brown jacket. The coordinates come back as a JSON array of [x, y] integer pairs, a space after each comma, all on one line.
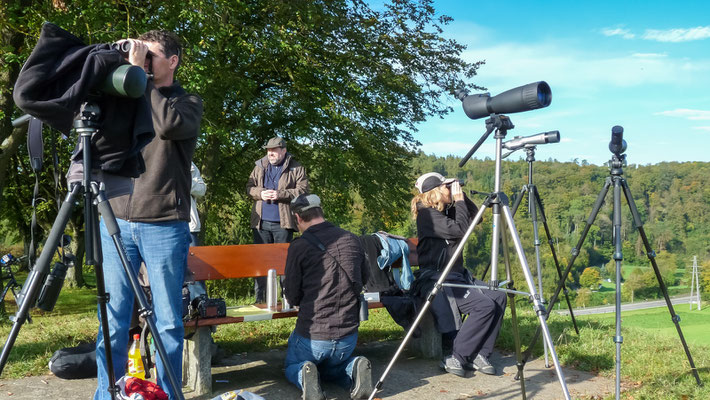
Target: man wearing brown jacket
[[275, 180]]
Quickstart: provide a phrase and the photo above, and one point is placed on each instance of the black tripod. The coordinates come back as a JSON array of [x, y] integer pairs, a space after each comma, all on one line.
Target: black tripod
[[499, 203], [534, 199], [95, 203], [618, 160]]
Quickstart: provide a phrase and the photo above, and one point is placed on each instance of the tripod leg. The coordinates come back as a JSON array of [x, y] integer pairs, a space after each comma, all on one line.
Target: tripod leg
[[35, 279], [536, 237], [514, 316], [518, 200], [430, 296], [94, 257], [652, 257], [575, 252], [144, 308], [618, 256], [538, 307], [554, 257]]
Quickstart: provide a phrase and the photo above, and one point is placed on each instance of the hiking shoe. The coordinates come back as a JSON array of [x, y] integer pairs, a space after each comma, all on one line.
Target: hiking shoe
[[362, 379], [482, 364], [311, 382], [453, 366]]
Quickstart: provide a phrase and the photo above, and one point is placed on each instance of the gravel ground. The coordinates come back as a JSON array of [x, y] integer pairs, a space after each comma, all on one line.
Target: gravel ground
[[409, 378]]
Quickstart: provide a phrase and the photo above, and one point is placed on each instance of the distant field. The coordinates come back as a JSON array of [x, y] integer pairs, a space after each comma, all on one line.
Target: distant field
[[626, 271], [694, 324]]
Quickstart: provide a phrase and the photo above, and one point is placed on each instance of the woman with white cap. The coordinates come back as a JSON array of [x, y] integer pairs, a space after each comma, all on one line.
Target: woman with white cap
[[443, 214]]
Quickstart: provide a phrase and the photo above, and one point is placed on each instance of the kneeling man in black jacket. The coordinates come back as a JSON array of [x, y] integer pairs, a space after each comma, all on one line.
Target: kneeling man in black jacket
[[325, 272]]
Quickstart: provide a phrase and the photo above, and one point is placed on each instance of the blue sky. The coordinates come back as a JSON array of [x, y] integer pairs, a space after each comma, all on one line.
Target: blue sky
[[644, 65]]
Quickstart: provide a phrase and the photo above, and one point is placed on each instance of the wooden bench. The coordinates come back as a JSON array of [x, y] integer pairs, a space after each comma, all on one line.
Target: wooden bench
[[209, 263]]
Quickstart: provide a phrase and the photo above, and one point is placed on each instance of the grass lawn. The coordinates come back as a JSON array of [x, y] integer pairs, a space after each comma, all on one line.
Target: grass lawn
[[694, 324], [73, 321]]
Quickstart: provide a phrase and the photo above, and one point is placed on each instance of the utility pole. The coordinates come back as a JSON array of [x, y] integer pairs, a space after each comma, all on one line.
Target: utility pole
[[695, 284]]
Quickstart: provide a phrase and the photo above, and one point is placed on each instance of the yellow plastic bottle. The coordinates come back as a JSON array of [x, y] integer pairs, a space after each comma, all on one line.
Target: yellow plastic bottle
[[135, 363]]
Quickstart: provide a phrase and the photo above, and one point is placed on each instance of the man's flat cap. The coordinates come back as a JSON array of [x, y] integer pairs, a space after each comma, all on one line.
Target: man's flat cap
[[275, 142]]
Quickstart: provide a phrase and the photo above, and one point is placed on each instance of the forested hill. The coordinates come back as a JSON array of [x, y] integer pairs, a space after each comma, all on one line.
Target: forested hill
[[672, 200]]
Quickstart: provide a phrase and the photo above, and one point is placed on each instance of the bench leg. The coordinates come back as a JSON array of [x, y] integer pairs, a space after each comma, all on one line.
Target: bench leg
[[197, 361], [428, 345]]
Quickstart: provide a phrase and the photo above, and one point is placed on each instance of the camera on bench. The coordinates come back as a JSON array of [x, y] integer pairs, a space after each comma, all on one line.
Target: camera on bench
[[204, 307]]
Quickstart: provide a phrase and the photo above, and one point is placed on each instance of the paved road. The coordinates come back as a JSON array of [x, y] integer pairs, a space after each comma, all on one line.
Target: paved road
[[627, 306]]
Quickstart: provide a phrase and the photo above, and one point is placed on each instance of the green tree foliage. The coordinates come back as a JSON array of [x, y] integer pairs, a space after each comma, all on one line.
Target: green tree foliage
[[704, 272], [343, 82], [590, 278], [633, 284], [667, 266], [584, 295]]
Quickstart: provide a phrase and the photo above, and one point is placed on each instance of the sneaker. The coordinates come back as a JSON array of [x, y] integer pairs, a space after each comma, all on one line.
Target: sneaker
[[453, 366], [311, 382], [482, 364], [362, 379]]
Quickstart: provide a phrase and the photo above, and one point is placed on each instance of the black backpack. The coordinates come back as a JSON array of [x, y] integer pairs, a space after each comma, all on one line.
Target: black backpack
[[74, 362]]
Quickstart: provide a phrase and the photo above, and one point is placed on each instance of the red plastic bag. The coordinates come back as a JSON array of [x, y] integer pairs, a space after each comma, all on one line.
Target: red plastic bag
[[147, 389]]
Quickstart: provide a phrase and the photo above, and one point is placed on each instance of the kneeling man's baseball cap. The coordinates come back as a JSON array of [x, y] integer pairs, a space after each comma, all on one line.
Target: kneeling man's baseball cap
[[305, 202]]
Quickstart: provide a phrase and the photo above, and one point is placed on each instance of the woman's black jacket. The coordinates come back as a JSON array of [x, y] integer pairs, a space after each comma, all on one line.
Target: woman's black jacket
[[439, 234]]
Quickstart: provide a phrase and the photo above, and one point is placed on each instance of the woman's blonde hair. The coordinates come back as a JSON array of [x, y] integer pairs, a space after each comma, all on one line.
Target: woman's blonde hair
[[433, 199]]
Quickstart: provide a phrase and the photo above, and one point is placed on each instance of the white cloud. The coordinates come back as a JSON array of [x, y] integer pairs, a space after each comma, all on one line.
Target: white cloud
[[663, 35], [582, 70], [693, 115], [624, 33], [677, 35], [649, 55], [702, 128]]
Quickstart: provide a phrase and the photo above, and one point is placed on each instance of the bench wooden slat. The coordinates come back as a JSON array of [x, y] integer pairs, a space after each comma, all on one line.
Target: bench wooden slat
[[252, 260], [231, 320], [236, 261]]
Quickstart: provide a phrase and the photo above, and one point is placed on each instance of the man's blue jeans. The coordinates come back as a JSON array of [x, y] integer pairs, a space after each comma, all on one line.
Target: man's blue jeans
[[162, 246], [333, 358]]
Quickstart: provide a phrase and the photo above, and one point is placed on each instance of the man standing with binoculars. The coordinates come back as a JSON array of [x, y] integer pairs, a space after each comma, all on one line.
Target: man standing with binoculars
[[154, 216]]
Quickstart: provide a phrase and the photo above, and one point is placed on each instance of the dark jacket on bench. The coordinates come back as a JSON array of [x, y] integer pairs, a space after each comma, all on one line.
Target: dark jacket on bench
[[328, 301]]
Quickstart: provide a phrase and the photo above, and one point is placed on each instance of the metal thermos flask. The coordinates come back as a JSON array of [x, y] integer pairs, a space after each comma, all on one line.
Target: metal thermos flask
[[271, 290], [284, 304], [363, 308]]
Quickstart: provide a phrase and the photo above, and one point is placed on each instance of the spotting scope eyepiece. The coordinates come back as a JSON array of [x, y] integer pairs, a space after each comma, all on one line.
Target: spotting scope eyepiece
[[519, 142], [523, 98], [617, 145]]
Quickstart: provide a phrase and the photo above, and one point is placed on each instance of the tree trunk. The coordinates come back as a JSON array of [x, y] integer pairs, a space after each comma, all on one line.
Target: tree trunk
[[9, 137], [75, 276]]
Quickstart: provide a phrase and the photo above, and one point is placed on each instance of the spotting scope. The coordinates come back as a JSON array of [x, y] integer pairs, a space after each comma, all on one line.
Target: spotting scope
[[617, 145], [125, 81], [523, 98], [519, 142]]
